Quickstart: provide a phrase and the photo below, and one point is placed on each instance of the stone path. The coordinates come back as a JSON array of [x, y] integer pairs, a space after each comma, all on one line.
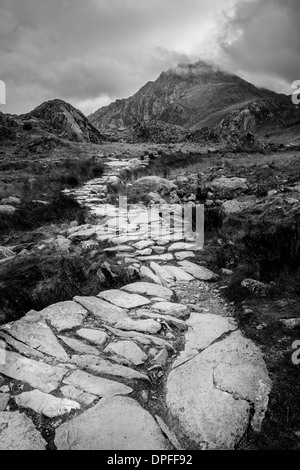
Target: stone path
[[159, 364]]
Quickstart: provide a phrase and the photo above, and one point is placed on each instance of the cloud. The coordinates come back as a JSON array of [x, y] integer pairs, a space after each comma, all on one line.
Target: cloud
[[262, 39], [89, 52], [96, 51]]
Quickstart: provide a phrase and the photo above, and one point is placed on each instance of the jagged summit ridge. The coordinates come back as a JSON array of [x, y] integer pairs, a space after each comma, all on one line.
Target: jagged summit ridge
[[190, 95]]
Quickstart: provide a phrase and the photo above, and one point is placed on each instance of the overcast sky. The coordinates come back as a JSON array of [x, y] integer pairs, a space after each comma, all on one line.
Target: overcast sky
[[90, 52]]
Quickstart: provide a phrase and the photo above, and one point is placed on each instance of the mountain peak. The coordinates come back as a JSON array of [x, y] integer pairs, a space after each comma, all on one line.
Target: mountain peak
[[59, 117], [190, 95]]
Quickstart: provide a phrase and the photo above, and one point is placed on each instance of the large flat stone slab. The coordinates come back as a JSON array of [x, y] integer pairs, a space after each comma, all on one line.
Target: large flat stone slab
[[21, 348], [163, 257], [172, 321], [98, 365], [212, 394], [37, 335], [183, 255], [83, 233], [79, 346], [141, 338], [107, 312], [165, 276], [129, 351], [64, 315], [149, 276], [179, 274], [199, 272], [38, 374], [203, 330], [96, 385], [19, 433], [117, 423], [123, 299], [78, 395], [97, 337], [169, 308], [209, 417], [143, 326], [46, 404], [240, 369], [147, 288], [182, 247]]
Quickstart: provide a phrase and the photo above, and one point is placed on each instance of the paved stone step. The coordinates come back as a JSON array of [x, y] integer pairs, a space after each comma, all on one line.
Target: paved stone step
[[103, 310], [35, 333], [149, 289], [96, 385], [123, 299], [99, 365], [19, 433], [37, 374], [117, 423], [129, 351], [199, 272], [46, 404]]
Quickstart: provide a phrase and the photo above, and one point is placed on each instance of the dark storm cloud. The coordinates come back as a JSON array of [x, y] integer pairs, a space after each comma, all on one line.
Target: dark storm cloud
[[93, 51], [262, 37]]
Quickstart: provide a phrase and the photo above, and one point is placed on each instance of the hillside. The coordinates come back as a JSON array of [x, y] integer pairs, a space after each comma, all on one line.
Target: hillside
[[61, 118]]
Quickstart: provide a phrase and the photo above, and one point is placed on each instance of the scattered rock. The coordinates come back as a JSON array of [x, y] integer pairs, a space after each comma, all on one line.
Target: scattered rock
[[211, 394], [161, 358], [165, 276], [255, 286], [7, 210], [290, 323]]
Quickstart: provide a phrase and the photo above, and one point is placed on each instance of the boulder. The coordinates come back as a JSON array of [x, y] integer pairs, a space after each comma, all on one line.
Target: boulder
[[153, 184]]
